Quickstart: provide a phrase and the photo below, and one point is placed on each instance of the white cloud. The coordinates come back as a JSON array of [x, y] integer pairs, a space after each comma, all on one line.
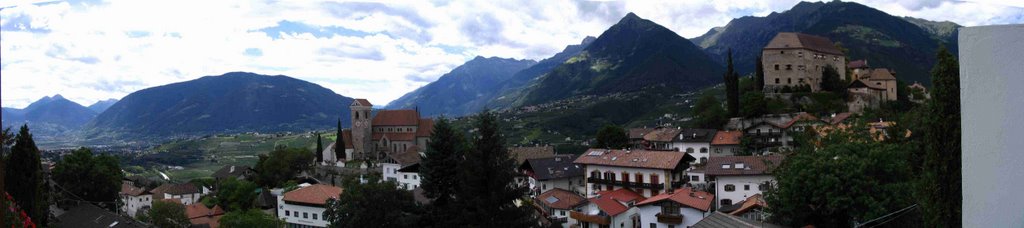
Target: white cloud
[[90, 51]]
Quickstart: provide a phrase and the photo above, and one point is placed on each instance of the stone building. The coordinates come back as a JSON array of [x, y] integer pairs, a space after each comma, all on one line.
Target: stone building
[[376, 135], [795, 59]]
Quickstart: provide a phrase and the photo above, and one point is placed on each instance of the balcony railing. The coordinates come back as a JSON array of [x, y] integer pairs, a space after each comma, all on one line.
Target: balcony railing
[[596, 219], [559, 220], [593, 180], [670, 218]]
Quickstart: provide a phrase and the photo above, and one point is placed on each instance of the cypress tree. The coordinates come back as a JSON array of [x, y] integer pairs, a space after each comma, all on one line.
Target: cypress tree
[[24, 177], [942, 172], [439, 171], [732, 88], [319, 149], [339, 144], [487, 194], [759, 76]]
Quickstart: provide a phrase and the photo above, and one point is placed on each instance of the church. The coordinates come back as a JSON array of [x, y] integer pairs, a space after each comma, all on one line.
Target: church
[[375, 135]]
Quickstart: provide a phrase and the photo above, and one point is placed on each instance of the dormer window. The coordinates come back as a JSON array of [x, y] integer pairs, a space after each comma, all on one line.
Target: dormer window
[[726, 166], [740, 166]]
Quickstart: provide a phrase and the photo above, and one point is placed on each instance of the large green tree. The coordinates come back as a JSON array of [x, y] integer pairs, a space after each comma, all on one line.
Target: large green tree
[[843, 178], [281, 165], [831, 82], [612, 136], [250, 219], [754, 104], [339, 144], [708, 112], [439, 171], [90, 177], [942, 193], [732, 88], [759, 76], [24, 177], [373, 204], [236, 195], [487, 194], [319, 149], [165, 214]]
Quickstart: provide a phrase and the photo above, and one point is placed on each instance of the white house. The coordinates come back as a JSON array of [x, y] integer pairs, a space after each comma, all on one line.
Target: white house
[[739, 177], [188, 193], [609, 209], [134, 198], [648, 173], [696, 142], [304, 207], [682, 207], [556, 205], [726, 143], [403, 168], [335, 159], [554, 172]]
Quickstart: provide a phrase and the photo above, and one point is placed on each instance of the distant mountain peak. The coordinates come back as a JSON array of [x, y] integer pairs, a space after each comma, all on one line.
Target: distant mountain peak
[[57, 96], [588, 40]]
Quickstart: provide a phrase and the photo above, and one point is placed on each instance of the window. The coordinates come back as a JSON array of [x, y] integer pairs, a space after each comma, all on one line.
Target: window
[[704, 150], [625, 177], [789, 67], [789, 81], [746, 187], [704, 160], [776, 66], [763, 186], [654, 225], [654, 179], [287, 213], [640, 178], [314, 216], [726, 202], [669, 207], [694, 178], [405, 176], [776, 80], [305, 215], [414, 176], [730, 188], [782, 52], [561, 212], [595, 174], [718, 150], [544, 187], [689, 150]]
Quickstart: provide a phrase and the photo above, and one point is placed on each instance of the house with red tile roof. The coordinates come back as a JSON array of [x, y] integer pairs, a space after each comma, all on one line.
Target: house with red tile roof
[[403, 168], [199, 215], [751, 208], [186, 193], [556, 204], [726, 143], [614, 208], [134, 198], [738, 177], [305, 206], [648, 173], [681, 207]]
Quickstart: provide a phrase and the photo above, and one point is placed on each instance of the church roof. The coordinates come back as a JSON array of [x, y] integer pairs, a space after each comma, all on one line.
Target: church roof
[[790, 40], [396, 118], [362, 102]]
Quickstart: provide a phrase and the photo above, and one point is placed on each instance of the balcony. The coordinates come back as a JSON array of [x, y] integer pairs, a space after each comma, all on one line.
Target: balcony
[[670, 218], [593, 180], [558, 220], [595, 219]]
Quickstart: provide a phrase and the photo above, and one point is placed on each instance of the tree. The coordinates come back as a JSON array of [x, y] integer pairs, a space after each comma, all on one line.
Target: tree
[[281, 165], [90, 177], [251, 218], [24, 177], [831, 82], [319, 149], [942, 193], [165, 214], [754, 104], [759, 76], [374, 204], [236, 195], [708, 112], [732, 91], [487, 194], [612, 136], [439, 171], [839, 179], [339, 144]]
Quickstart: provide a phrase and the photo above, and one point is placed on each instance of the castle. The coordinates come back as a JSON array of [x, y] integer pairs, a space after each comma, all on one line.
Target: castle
[[373, 136], [796, 59]]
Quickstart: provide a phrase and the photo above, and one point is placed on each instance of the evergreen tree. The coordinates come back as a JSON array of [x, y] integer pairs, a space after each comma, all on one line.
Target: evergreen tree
[[942, 172], [759, 76], [612, 136], [754, 104], [165, 214], [439, 171], [732, 90], [708, 112], [251, 218], [487, 194], [339, 144], [90, 177], [374, 204], [830, 80], [24, 177], [319, 149]]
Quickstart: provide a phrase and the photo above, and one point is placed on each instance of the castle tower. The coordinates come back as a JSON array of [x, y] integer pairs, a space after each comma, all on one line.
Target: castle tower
[[362, 141]]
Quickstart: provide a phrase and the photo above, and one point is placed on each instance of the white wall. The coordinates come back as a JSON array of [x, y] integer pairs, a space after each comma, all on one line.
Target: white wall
[[739, 181], [725, 150], [295, 214], [648, 215], [571, 184], [405, 180], [663, 175], [992, 103], [132, 204], [696, 146]]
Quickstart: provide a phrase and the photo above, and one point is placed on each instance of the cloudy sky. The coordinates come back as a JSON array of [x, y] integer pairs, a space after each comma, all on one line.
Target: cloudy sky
[[95, 49]]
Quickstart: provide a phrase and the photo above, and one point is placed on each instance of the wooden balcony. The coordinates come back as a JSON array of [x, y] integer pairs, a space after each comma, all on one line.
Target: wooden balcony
[[670, 218], [595, 219]]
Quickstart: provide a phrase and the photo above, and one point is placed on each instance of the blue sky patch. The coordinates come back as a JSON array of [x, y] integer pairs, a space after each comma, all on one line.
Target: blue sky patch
[[291, 27], [253, 52]]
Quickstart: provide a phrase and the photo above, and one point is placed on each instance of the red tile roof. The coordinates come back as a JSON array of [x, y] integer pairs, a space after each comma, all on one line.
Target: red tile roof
[[197, 210], [838, 118], [560, 199], [699, 200], [410, 157], [316, 194], [857, 64], [396, 118], [665, 160], [638, 133], [362, 102], [129, 189], [803, 116], [754, 201], [521, 154], [613, 202], [881, 74], [727, 138], [752, 165], [426, 128], [789, 40], [662, 134]]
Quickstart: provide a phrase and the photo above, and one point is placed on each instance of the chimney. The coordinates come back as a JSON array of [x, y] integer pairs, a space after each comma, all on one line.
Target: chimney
[[232, 169]]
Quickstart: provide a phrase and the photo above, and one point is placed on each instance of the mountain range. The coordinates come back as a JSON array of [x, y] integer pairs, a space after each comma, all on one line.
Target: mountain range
[[103, 105], [906, 45], [466, 89], [233, 102], [49, 117]]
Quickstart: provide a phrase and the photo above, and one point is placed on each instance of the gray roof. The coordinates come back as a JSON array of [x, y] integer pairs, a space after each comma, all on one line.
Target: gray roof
[[696, 135], [88, 216], [556, 167], [722, 220], [232, 171]]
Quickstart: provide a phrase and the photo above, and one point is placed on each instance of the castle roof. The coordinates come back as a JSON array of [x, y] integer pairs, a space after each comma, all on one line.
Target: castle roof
[[403, 117], [790, 40]]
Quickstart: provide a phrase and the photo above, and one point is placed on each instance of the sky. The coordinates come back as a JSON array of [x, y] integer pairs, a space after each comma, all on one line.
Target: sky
[[91, 50]]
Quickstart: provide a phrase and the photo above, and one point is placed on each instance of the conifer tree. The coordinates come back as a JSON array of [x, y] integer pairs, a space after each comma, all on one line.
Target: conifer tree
[[440, 162], [319, 149], [339, 144], [942, 172], [759, 76], [732, 88], [488, 195], [24, 177]]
